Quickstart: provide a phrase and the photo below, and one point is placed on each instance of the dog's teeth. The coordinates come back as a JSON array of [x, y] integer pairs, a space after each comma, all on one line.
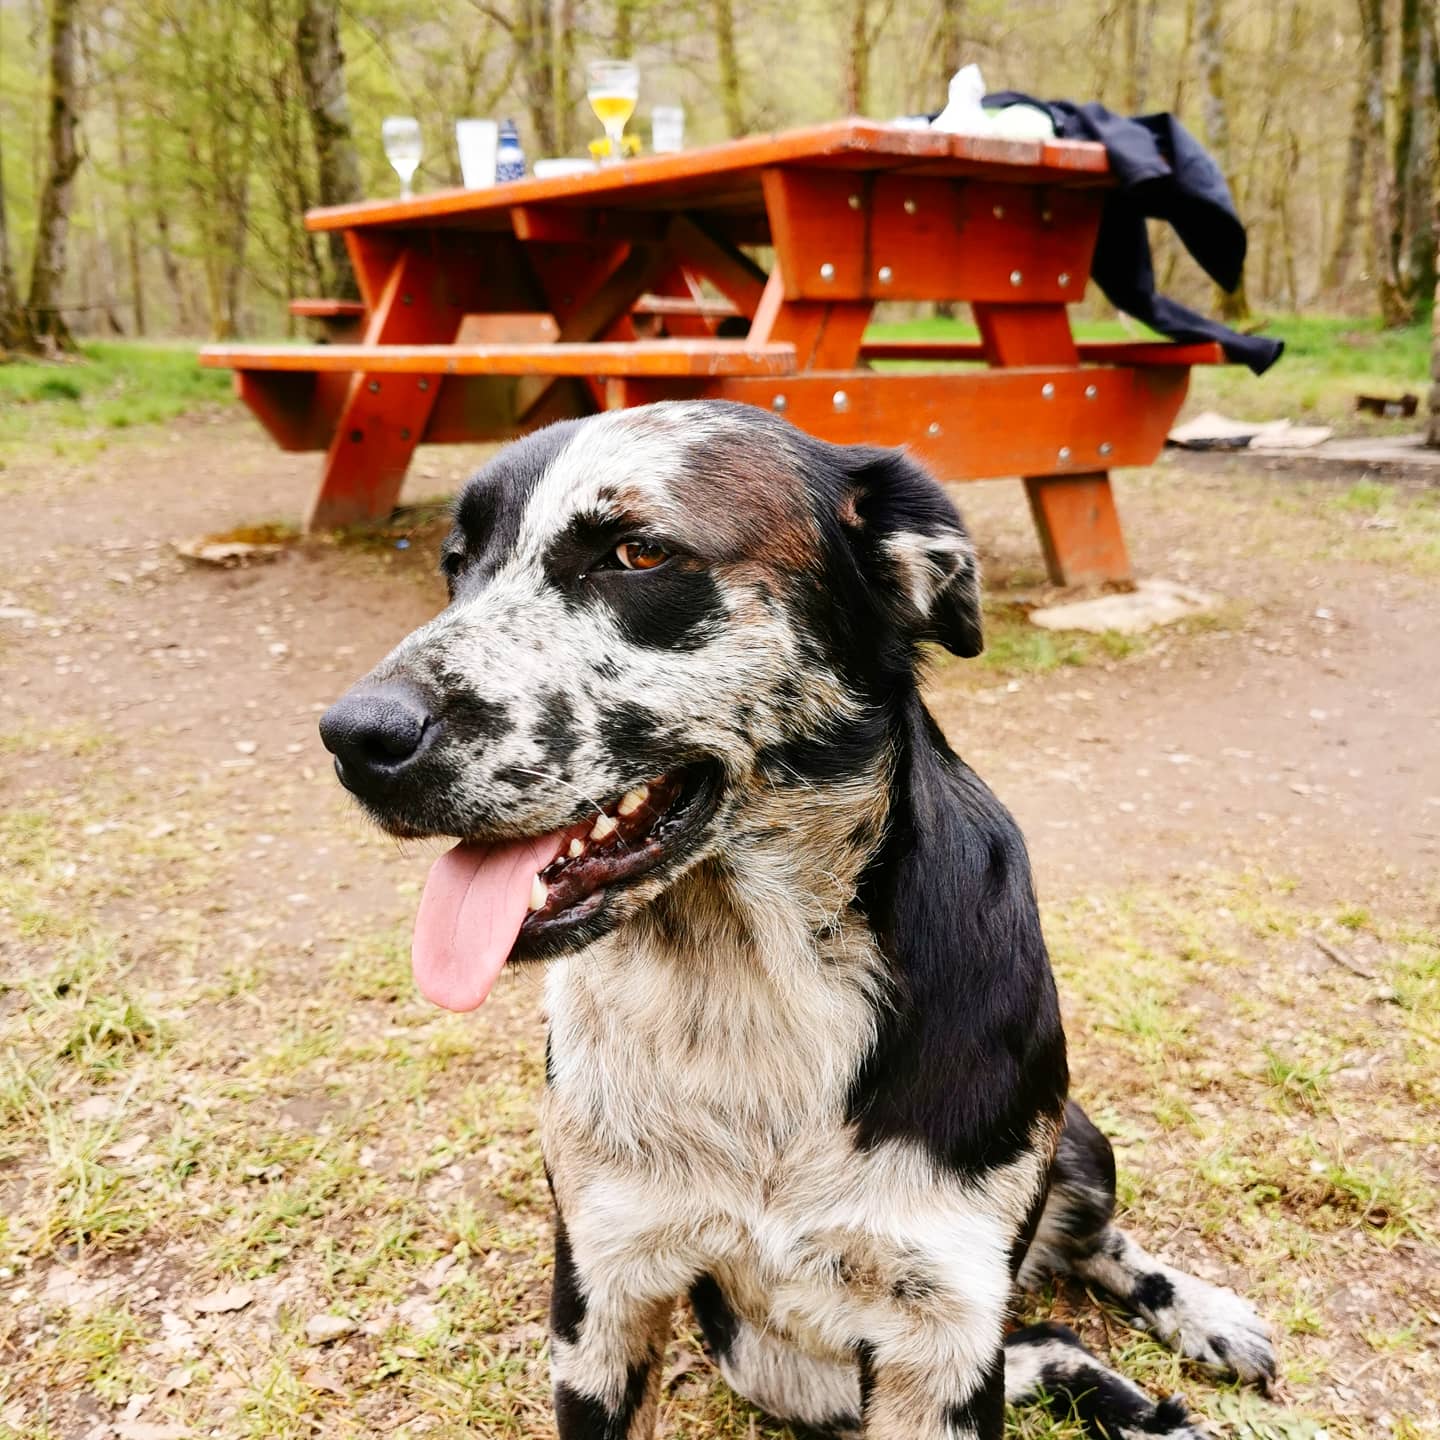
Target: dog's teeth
[[577, 849], [538, 894], [604, 826], [632, 800]]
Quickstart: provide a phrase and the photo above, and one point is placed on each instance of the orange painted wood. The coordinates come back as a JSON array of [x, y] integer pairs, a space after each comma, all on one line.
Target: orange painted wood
[[894, 237], [520, 328], [979, 424], [730, 172], [321, 309], [372, 257], [651, 357], [299, 410], [1026, 334], [591, 295], [570, 225], [673, 305], [1092, 352], [733, 273], [1077, 521], [825, 337], [1079, 528], [683, 311], [384, 416]]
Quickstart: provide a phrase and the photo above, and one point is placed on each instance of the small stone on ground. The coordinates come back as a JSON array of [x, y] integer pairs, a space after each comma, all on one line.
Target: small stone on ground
[[1150, 604]]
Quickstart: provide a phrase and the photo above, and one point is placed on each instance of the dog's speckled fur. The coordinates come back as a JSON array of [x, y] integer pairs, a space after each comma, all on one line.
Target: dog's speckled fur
[[809, 1071]]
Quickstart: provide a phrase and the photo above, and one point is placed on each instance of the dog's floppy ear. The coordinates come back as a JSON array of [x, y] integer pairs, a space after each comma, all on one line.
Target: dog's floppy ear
[[906, 525]]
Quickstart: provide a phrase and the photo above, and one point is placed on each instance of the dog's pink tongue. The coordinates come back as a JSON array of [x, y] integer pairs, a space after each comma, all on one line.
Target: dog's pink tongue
[[475, 901]]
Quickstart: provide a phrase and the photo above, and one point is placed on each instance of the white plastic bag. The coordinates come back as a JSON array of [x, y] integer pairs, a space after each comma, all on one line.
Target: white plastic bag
[[963, 114]]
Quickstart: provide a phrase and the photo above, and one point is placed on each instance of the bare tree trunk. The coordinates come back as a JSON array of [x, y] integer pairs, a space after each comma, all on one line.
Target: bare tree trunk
[[1337, 268], [14, 322], [624, 46], [861, 45], [1432, 431], [47, 274], [1138, 23], [730, 77], [1420, 182], [1407, 92], [159, 209], [1393, 309], [132, 223], [1210, 52], [532, 38], [949, 40], [322, 72], [562, 68]]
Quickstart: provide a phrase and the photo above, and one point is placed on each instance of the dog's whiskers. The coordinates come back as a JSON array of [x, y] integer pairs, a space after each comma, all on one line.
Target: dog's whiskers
[[554, 779]]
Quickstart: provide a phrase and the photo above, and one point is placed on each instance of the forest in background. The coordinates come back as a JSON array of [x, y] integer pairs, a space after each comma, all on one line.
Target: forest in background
[[190, 136]]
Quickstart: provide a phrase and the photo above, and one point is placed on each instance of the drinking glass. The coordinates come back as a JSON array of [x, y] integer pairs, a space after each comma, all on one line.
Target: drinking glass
[[613, 88], [401, 136], [478, 142], [667, 128]]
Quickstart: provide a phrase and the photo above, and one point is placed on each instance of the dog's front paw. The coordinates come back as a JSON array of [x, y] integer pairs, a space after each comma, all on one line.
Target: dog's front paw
[[1209, 1324]]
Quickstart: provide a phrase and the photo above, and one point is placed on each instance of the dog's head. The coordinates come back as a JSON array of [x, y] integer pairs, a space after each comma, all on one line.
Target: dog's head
[[659, 618]]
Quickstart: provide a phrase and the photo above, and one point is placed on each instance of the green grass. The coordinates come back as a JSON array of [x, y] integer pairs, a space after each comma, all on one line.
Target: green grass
[[111, 385], [1327, 361]]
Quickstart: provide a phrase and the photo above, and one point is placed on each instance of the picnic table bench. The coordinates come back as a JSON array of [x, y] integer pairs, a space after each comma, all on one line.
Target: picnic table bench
[[487, 313]]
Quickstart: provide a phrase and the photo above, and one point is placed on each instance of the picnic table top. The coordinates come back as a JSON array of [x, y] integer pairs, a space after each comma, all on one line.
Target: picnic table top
[[728, 176]]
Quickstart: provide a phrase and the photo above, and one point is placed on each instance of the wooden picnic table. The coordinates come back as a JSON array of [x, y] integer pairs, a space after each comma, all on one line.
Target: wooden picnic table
[[488, 313]]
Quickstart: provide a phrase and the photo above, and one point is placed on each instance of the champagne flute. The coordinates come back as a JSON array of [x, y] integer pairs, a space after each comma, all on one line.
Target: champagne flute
[[401, 137], [613, 88]]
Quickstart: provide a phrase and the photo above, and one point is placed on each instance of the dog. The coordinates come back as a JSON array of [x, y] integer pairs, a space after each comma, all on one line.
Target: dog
[[805, 1062]]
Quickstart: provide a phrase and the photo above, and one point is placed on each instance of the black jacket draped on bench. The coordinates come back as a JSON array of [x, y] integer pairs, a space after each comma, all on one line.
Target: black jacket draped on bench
[[1164, 174]]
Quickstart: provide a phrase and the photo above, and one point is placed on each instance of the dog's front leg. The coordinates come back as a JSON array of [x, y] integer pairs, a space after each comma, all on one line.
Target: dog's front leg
[[606, 1345], [911, 1391]]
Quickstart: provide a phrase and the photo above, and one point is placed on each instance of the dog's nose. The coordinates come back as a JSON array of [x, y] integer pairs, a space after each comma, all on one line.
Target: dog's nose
[[375, 733]]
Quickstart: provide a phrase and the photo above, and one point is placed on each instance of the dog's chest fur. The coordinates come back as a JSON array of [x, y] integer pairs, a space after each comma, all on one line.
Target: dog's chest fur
[[696, 1122]]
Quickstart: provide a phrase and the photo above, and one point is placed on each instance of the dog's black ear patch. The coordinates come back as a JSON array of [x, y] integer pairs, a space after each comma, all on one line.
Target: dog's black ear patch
[[916, 544]]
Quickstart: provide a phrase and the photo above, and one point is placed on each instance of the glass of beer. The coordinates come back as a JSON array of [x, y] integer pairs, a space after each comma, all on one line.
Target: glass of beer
[[613, 88]]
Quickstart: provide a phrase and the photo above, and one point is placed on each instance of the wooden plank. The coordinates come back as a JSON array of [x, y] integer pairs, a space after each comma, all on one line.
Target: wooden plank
[[825, 337], [591, 295], [892, 237], [983, 424], [726, 267], [570, 225], [383, 416], [652, 357], [733, 167], [1079, 527], [978, 241], [1091, 352], [321, 309], [668, 305], [1026, 334], [1075, 518], [299, 410]]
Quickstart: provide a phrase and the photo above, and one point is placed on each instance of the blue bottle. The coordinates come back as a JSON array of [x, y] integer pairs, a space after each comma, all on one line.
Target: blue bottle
[[509, 157]]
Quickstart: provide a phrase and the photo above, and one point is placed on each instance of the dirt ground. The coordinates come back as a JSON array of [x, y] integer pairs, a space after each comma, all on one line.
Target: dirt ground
[[250, 1185]]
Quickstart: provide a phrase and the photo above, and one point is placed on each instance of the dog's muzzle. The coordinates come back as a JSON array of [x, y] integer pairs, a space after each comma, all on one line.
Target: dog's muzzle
[[376, 734]]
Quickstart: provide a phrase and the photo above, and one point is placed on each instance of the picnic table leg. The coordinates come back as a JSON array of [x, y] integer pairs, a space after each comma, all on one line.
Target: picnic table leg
[[1079, 528], [1075, 515], [384, 416]]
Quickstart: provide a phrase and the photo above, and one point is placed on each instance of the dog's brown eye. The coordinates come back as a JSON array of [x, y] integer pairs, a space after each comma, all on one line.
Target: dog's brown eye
[[639, 555]]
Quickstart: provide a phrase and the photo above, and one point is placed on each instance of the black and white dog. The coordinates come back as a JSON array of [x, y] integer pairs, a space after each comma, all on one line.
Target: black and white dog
[[805, 1059]]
